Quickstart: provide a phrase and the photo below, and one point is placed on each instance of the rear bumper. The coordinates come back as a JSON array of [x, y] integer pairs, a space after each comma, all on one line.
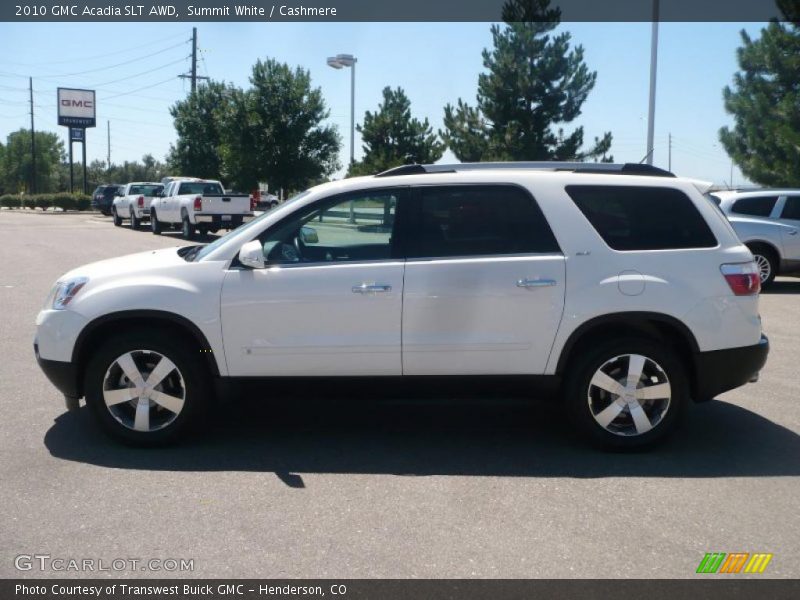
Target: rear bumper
[[63, 375], [218, 222], [721, 370]]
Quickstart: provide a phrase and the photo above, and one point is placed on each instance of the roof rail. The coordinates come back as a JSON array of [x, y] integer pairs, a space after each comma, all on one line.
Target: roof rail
[[576, 167]]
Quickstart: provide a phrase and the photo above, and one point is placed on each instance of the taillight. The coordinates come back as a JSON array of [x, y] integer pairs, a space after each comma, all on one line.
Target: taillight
[[743, 278], [140, 201], [198, 203]]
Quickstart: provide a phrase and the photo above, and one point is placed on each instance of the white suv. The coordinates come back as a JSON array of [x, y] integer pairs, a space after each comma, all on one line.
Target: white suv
[[621, 283]]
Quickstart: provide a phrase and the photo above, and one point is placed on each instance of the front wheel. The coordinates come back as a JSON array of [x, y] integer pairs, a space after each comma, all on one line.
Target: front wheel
[[146, 388], [627, 393], [116, 217], [155, 226]]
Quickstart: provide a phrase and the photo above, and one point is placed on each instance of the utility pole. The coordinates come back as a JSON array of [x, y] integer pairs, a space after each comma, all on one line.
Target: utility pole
[[193, 76], [653, 65], [669, 168], [108, 131], [33, 141]]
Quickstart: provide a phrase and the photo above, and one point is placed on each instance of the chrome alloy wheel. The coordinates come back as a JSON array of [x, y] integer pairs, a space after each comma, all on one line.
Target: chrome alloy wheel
[[764, 268], [144, 390], [629, 395]]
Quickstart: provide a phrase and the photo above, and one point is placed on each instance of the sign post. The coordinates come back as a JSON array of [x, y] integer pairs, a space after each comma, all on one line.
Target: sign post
[[77, 110]]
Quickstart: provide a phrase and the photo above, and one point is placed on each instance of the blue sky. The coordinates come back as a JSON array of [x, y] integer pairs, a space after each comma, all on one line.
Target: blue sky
[[435, 63]]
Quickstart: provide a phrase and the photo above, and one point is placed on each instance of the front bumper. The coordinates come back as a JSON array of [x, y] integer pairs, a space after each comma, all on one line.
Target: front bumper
[[63, 375], [721, 370]]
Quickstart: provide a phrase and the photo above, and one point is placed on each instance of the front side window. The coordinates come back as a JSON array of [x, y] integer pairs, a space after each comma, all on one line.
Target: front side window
[[755, 206], [642, 218], [356, 227], [791, 210], [476, 220]]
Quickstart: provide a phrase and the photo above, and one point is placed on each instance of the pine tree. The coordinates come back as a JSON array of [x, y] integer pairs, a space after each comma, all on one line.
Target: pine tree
[[765, 104], [391, 137], [534, 82]]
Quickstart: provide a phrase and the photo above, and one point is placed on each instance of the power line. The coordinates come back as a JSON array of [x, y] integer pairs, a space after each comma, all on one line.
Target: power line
[[147, 87], [85, 58], [127, 62]]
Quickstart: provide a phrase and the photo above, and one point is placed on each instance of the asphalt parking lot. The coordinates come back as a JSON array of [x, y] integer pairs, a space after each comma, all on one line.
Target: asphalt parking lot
[[328, 488]]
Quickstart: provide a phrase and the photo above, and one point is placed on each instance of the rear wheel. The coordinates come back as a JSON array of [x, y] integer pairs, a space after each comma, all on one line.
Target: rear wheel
[[147, 388], [155, 226], [116, 217], [767, 263], [136, 222], [627, 393], [187, 229]]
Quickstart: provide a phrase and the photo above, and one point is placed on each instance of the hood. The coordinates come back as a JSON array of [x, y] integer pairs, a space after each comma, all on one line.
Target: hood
[[130, 263]]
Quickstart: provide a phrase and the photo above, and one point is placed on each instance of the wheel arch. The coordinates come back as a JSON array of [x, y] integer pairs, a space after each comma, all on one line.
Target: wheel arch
[[114, 323], [656, 326]]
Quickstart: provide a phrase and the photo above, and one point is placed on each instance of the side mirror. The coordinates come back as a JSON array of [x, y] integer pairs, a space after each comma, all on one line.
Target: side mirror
[[251, 255], [308, 235]]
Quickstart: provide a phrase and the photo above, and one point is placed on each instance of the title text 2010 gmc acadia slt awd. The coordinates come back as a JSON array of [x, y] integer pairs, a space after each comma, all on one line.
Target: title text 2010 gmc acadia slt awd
[[622, 283]]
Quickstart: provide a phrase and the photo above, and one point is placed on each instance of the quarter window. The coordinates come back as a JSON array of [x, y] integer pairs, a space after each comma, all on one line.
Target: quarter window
[[476, 221], [791, 210], [755, 206], [643, 218]]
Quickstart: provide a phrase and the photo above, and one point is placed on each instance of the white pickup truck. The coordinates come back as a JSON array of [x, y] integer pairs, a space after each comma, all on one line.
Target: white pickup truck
[[198, 205], [133, 202]]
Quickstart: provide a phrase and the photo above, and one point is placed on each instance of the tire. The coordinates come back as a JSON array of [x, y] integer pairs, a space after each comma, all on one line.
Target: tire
[[136, 222], [116, 217], [179, 401], [767, 263], [155, 226], [606, 419], [187, 229]]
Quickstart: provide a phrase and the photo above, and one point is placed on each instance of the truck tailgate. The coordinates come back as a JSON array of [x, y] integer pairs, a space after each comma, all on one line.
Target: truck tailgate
[[228, 204]]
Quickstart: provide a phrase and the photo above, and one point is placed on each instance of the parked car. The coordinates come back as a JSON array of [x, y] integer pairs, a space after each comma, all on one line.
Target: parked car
[[620, 284], [103, 197], [767, 221], [133, 202], [198, 205]]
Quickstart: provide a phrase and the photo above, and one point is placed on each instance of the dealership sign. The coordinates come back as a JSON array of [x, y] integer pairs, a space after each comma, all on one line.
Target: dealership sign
[[76, 108]]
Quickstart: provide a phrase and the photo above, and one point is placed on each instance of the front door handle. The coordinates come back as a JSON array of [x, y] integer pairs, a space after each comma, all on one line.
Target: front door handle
[[371, 288], [535, 283], [793, 232]]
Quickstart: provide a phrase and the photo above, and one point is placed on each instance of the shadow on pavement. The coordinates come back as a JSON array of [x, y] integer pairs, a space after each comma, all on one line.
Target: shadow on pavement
[[783, 287], [414, 438]]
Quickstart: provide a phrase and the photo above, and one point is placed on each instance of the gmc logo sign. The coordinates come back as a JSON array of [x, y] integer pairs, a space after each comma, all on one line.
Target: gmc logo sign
[[79, 103]]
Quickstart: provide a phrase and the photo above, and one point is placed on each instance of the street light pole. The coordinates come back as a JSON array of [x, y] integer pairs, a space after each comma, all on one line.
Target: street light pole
[[653, 65], [337, 62]]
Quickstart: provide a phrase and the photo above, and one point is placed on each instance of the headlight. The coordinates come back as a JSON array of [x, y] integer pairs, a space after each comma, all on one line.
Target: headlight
[[65, 291]]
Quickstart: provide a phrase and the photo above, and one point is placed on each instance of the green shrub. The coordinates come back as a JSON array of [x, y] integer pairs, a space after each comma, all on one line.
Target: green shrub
[[43, 201], [65, 201], [83, 202], [10, 201]]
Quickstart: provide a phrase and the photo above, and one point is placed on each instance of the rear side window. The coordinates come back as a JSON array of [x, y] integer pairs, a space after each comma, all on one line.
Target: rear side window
[[791, 210], [756, 206], [642, 218], [476, 221]]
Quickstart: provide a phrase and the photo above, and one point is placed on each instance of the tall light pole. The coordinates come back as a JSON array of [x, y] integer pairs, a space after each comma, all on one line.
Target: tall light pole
[[653, 65], [337, 62]]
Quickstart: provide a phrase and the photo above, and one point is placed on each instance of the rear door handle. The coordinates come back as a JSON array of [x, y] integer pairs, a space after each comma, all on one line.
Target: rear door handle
[[371, 288], [793, 232], [535, 283]]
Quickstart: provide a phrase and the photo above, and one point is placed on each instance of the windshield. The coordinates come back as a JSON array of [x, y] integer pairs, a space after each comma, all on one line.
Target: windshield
[[200, 187], [199, 252]]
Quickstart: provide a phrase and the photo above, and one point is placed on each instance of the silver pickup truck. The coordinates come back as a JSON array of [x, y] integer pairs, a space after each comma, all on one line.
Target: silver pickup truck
[[768, 222], [198, 205]]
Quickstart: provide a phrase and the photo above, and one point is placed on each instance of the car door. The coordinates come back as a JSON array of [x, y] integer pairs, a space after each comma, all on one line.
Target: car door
[[329, 301], [790, 215], [484, 282]]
